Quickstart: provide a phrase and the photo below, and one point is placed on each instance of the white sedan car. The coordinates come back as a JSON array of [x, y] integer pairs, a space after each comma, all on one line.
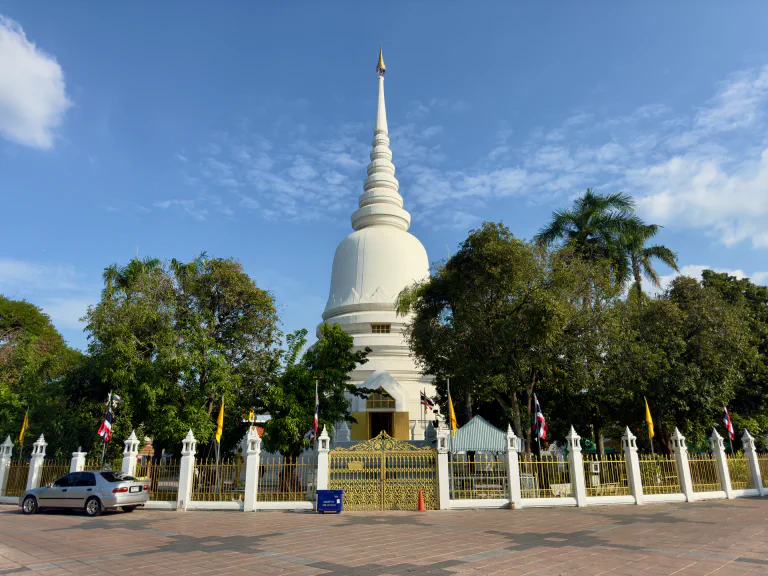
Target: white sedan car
[[92, 492]]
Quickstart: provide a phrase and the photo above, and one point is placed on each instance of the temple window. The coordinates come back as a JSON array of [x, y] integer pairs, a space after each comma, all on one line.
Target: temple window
[[380, 400], [381, 328]]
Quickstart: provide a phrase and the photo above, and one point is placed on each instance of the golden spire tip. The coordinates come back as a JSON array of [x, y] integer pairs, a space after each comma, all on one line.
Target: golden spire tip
[[380, 67]]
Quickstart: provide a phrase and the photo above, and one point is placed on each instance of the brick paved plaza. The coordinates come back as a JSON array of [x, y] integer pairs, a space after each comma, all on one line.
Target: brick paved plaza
[[704, 538]]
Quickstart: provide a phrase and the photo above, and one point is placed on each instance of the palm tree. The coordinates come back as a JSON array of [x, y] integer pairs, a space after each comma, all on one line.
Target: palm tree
[[633, 241], [594, 226], [118, 277]]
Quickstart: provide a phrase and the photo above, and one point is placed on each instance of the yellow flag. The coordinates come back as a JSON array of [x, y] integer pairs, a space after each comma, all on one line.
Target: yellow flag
[[23, 428], [250, 415], [451, 415], [649, 420], [220, 423]]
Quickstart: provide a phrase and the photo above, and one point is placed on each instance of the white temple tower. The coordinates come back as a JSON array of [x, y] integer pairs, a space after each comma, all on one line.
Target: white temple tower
[[370, 268]]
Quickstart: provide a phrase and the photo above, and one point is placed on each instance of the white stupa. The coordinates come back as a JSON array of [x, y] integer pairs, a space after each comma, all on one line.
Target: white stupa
[[370, 268]]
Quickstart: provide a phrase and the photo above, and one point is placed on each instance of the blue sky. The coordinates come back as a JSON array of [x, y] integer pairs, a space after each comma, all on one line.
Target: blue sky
[[243, 129]]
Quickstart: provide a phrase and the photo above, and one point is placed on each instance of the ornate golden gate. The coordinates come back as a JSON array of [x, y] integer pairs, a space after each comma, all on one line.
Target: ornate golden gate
[[384, 474]]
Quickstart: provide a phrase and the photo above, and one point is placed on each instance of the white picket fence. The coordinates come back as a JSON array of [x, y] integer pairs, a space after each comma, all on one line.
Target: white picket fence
[[509, 480]]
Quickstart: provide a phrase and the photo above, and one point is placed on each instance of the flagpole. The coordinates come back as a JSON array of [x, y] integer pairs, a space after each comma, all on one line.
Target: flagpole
[[104, 440], [26, 421], [423, 420], [451, 455], [536, 423]]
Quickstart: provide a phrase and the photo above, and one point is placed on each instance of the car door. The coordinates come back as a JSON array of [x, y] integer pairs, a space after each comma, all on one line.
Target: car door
[[83, 487], [56, 495]]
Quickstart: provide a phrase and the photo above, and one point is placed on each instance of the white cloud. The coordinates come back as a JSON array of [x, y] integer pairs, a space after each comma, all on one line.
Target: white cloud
[[191, 207], [706, 168], [737, 103], [33, 97], [18, 275], [66, 313], [691, 191], [62, 291], [760, 278]]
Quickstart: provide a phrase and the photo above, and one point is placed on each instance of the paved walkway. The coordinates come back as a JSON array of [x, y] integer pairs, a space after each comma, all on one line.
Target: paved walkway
[[703, 538]]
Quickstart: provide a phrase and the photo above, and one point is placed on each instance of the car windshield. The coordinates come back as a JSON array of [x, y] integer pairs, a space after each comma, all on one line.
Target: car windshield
[[117, 477]]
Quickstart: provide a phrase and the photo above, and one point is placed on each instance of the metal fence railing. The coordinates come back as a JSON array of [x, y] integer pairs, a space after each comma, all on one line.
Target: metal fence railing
[[762, 462], [704, 473], [163, 478], [658, 474], [94, 464], [738, 468], [606, 476], [482, 477], [286, 479], [544, 477], [17, 478], [222, 482], [53, 470]]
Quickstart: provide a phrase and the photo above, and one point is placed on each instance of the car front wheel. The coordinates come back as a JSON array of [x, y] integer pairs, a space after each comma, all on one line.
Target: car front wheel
[[29, 505], [93, 506]]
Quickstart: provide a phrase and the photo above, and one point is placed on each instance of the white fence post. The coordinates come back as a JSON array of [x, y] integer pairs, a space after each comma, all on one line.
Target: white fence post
[[442, 468], [683, 467], [130, 452], [186, 470], [629, 441], [748, 442], [77, 464], [6, 449], [718, 451], [36, 463], [576, 462], [513, 471], [252, 461], [323, 448]]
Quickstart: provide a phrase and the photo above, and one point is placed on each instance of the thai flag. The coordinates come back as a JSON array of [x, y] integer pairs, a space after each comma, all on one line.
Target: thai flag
[[105, 430], [313, 431], [427, 401], [540, 426], [727, 423]]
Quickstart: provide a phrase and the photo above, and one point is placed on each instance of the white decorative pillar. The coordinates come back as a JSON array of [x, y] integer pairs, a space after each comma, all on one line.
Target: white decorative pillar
[[186, 470], [6, 449], [750, 450], [130, 452], [443, 478], [576, 462], [513, 471], [36, 463], [629, 442], [77, 464], [721, 462], [323, 448], [683, 468], [252, 461]]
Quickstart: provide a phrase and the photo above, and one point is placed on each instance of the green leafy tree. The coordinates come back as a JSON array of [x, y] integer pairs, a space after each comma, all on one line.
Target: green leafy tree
[[488, 319], [749, 406], [587, 389], [685, 352], [290, 399], [34, 363], [174, 341]]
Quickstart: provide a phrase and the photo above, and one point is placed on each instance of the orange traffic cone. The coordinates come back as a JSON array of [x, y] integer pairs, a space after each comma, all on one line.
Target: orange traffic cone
[[421, 507]]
